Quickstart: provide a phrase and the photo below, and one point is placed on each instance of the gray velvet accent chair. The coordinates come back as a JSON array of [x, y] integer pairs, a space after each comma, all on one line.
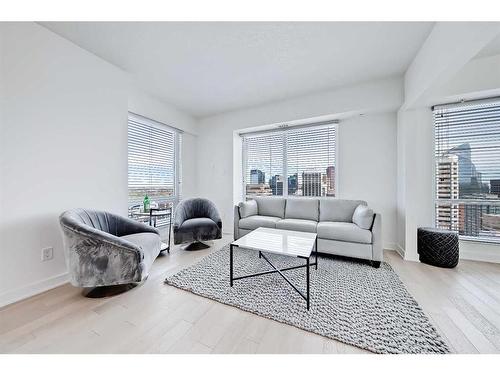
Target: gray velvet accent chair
[[196, 220], [107, 252]]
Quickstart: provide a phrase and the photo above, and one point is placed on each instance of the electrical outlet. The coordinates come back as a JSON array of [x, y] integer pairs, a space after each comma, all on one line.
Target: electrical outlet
[[47, 253]]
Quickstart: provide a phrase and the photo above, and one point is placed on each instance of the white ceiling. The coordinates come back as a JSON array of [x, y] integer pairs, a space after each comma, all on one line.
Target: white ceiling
[[208, 68]]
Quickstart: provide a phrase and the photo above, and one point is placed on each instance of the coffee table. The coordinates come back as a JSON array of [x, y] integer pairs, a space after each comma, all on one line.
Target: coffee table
[[282, 242]]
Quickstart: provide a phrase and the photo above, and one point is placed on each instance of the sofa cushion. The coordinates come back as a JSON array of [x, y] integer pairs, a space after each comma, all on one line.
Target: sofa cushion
[[341, 231], [297, 224], [333, 209], [363, 217], [271, 206], [150, 244], [248, 208], [256, 221], [200, 228], [302, 208]]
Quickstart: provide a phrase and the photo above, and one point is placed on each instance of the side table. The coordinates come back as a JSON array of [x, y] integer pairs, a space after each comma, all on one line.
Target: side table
[[152, 216], [437, 247]]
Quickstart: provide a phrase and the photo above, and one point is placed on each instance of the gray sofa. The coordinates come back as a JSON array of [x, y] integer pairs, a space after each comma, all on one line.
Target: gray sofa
[[342, 227], [104, 249]]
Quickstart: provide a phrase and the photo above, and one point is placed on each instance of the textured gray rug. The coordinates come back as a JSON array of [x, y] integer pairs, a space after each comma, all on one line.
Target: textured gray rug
[[351, 301]]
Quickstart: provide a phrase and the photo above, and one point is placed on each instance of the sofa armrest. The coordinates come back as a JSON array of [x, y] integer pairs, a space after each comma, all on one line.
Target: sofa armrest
[[87, 234], [214, 215], [236, 222], [96, 258], [179, 216], [377, 250]]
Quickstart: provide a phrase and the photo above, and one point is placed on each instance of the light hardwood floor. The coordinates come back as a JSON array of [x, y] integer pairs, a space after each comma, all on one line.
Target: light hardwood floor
[[463, 303]]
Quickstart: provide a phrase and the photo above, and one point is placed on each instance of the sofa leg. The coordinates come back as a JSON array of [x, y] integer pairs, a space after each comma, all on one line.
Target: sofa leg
[[375, 264]]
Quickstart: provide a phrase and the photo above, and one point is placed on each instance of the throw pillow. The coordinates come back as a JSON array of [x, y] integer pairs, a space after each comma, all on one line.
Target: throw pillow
[[363, 217], [248, 208]]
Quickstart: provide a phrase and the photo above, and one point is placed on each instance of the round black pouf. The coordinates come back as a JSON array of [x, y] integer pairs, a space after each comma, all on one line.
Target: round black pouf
[[437, 247]]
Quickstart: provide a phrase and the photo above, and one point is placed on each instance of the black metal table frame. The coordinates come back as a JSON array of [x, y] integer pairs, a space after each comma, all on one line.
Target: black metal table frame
[[308, 264], [152, 223]]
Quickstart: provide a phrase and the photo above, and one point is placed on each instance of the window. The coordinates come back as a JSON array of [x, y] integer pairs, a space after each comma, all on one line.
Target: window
[[467, 151], [295, 161], [153, 162]]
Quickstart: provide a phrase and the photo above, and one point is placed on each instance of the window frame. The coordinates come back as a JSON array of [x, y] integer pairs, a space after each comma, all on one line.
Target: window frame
[[458, 201], [284, 129], [177, 143]]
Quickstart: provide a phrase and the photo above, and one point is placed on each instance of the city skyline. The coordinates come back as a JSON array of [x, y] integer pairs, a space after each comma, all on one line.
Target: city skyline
[[307, 183]]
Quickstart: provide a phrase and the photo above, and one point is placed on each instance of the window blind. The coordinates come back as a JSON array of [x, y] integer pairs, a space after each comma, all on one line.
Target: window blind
[[295, 161], [467, 152], [311, 161], [152, 161], [264, 164]]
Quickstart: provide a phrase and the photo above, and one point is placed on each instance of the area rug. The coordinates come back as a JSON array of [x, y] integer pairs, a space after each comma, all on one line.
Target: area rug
[[351, 301]]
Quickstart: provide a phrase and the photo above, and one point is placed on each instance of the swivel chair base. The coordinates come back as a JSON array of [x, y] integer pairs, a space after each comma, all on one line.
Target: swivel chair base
[[196, 245], [108, 291]]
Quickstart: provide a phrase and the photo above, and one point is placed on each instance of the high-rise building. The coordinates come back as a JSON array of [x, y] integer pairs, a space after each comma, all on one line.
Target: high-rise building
[[293, 183], [447, 214], [479, 220], [470, 219], [330, 181], [314, 184], [470, 179], [495, 187], [491, 221], [467, 168], [276, 184], [257, 176]]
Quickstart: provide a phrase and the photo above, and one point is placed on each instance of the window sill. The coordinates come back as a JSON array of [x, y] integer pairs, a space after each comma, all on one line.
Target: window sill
[[480, 240]]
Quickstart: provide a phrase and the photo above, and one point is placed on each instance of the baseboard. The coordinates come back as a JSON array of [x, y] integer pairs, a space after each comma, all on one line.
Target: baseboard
[[477, 252], [390, 246], [400, 251], [30, 290]]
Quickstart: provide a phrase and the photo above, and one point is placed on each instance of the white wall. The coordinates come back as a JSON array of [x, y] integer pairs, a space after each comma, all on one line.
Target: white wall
[[367, 166], [416, 179], [449, 46], [370, 139], [479, 78], [148, 106], [63, 144], [383, 95]]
